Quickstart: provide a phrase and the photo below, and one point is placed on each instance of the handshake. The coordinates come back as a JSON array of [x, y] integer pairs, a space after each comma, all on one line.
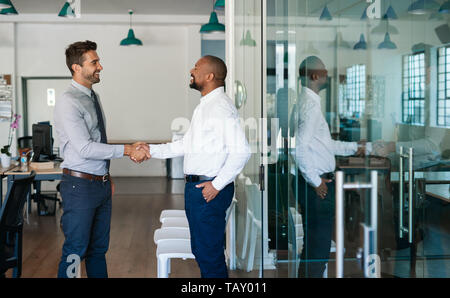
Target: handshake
[[138, 152], [383, 148]]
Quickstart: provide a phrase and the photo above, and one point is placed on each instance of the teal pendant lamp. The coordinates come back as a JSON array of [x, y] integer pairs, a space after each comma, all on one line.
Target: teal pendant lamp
[[390, 14], [213, 25], [9, 11], [248, 40], [220, 4], [5, 4], [326, 15], [66, 11], [445, 8], [364, 14], [131, 40], [361, 44], [387, 43], [423, 6]]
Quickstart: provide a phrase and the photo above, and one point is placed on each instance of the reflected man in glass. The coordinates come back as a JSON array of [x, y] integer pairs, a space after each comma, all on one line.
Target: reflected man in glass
[[315, 158]]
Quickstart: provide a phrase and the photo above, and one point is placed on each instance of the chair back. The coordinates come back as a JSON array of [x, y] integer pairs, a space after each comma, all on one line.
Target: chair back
[[25, 142], [230, 209], [12, 212]]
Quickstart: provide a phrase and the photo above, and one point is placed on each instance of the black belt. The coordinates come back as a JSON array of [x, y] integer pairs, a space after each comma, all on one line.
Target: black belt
[[328, 176], [197, 178], [103, 178]]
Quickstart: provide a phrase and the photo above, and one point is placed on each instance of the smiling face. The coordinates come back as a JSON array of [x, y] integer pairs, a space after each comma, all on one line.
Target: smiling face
[[91, 67], [199, 75]]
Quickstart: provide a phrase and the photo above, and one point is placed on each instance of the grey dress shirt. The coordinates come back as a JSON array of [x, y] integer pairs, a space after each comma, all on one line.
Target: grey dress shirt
[[78, 132]]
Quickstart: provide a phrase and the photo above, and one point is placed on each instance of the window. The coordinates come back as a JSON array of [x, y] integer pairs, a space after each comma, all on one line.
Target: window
[[352, 94], [443, 98], [413, 102]]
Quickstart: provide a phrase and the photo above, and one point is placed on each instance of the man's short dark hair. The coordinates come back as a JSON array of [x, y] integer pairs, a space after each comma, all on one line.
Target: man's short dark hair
[[219, 67], [75, 52]]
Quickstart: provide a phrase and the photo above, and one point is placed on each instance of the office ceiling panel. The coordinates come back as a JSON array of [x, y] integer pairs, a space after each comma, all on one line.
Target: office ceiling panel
[[149, 7]]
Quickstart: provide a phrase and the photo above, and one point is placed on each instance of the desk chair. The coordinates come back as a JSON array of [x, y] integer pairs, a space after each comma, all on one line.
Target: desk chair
[[11, 224], [25, 142]]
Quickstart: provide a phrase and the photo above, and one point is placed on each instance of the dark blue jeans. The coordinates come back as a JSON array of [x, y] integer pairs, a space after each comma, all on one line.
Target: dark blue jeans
[[207, 228], [86, 223], [318, 221]]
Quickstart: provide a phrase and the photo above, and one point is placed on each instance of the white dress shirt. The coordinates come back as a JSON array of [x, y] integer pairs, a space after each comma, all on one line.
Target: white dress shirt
[[215, 143], [315, 149]]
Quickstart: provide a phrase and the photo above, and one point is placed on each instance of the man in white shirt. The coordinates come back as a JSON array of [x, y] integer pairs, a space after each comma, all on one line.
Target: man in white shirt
[[315, 157], [215, 151]]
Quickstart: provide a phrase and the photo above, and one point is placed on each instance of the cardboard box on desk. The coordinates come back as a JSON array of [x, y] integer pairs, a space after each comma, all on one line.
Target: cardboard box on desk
[[46, 165]]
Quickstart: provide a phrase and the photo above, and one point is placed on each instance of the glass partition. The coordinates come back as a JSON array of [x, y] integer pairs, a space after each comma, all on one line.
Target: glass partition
[[356, 87]]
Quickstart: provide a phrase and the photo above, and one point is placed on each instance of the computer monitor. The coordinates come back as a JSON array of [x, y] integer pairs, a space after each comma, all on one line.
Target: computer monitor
[[42, 142]]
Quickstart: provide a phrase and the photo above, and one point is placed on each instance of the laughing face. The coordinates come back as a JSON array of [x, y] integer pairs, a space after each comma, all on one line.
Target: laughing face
[[91, 67], [198, 75]]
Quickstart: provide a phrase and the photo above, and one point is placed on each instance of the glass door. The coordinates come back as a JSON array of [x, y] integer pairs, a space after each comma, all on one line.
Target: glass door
[[246, 81], [358, 88]]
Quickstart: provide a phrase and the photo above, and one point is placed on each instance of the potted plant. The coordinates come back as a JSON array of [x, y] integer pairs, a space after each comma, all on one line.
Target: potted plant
[[6, 150]]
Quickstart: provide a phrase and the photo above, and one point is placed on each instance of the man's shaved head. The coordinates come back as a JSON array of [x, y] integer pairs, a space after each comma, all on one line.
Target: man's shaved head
[[208, 74], [217, 67], [312, 69]]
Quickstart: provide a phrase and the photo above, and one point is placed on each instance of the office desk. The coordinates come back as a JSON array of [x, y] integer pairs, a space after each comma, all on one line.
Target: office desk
[[41, 175], [358, 165], [439, 191]]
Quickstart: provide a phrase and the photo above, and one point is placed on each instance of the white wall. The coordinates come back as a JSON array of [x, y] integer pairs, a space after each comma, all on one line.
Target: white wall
[[142, 89], [6, 67]]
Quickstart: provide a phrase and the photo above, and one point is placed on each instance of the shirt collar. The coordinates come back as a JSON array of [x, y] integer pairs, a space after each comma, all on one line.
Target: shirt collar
[[311, 94], [82, 88], [212, 94]]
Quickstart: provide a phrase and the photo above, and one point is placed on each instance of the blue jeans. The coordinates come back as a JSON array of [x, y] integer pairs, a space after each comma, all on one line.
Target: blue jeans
[[207, 228], [86, 223]]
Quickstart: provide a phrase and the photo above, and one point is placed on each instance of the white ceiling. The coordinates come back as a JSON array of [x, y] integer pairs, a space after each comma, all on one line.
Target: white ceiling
[[147, 7]]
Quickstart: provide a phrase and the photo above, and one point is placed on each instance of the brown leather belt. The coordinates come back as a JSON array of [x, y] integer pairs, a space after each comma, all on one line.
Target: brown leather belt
[[103, 178]]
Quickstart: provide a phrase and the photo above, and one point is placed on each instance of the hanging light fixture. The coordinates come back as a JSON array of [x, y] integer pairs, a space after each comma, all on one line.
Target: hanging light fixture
[[325, 15], [361, 44], [390, 14], [339, 41], [131, 40], [384, 27], [248, 40], [423, 6], [66, 11], [445, 8], [311, 50], [387, 43], [213, 25], [364, 14], [220, 4], [9, 11], [5, 4]]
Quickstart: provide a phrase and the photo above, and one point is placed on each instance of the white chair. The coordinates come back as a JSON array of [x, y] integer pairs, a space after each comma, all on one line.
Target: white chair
[[253, 222], [169, 247], [171, 213], [171, 233], [180, 222]]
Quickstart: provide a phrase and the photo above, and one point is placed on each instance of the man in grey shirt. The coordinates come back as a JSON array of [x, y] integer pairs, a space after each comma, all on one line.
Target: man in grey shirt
[[86, 187]]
